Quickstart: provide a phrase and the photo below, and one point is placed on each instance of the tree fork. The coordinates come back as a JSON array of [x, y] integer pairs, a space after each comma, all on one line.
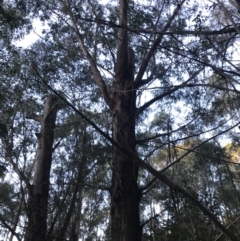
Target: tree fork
[[146, 166]]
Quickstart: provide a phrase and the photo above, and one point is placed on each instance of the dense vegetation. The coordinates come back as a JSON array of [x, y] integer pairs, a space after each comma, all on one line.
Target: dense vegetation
[[121, 121]]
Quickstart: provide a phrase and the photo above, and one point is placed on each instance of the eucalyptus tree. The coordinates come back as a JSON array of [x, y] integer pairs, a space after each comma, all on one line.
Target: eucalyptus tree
[[49, 186], [136, 58], [209, 173], [47, 209], [79, 184]]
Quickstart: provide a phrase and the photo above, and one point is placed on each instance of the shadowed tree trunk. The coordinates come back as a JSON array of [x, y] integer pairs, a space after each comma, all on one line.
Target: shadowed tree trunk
[[121, 100], [37, 205], [125, 194]]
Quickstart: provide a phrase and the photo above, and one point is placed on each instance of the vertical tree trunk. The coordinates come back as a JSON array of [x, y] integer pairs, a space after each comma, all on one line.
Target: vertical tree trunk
[[16, 219], [75, 229], [125, 194], [125, 223], [38, 195]]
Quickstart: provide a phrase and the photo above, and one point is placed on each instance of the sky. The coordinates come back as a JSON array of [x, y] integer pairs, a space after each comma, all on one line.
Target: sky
[[33, 36], [37, 32]]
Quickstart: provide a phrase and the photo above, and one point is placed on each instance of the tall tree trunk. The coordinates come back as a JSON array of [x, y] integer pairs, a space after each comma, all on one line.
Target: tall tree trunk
[[125, 194], [125, 223], [38, 195]]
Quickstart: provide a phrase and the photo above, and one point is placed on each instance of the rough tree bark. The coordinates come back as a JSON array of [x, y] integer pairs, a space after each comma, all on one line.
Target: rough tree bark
[[125, 223], [37, 205], [125, 194]]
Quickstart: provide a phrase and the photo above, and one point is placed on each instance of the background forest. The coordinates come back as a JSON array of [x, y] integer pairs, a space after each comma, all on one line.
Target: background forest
[[121, 121]]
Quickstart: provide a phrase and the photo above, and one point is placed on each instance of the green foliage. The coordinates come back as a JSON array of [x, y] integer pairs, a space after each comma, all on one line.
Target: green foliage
[[209, 175], [194, 101]]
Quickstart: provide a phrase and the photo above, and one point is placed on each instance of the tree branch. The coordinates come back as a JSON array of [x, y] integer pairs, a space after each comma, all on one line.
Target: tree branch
[[228, 15], [6, 225], [150, 53], [140, 141], [194, 148], [219, 236], [19, 173], [150, 219], [147, 166], [177, 188], [149, 184], [96, 73], [151, 77], [33, 116], [170, 91], [99, 187], [226, 30], [218, 70]]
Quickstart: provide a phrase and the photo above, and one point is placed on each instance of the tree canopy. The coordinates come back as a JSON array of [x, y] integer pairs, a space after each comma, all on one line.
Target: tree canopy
[[121, 121]]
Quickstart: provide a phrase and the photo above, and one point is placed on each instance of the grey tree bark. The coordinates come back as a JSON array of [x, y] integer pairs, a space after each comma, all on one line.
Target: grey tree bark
[[37, 206]]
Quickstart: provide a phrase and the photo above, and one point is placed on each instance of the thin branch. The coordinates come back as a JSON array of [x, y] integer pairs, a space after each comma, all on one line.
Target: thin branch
[[170, 91], [221, 71], [225, 30], [96, 73], [146, 166], [19, 173], [152, 50], [150, 219], [194, 148], [149, 184], [218, 87], [216, 48], [202, 154], [6, 225], [140, 141], [219, 236], [177, 188], [228, 15], [33, 116], [150, 78]]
